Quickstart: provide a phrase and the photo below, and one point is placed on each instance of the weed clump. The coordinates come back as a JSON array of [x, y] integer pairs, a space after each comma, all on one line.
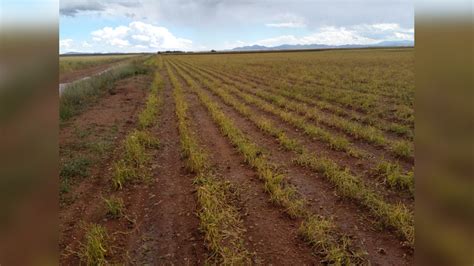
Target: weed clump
[[402, 149], [94, 250], [77, 167], [115, 207], [133, 164], [394, 176], [336, 250]]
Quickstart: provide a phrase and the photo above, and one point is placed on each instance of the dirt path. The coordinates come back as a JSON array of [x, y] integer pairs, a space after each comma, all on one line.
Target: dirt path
[[270, 234], [113, 116], [82, 73], [169, 231], [383, 247]]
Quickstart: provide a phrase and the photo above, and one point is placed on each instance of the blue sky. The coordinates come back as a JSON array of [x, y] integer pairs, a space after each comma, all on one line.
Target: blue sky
[[152, 25]]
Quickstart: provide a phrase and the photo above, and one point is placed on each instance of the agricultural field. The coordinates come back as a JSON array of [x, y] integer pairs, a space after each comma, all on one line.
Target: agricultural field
[[283, 158]]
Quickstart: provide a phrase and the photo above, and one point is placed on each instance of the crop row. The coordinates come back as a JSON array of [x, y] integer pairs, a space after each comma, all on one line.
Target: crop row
[[396, 216], [333, 81], [379, 72], [289, 92], [390, 172], [318, 230], [334, 142], [220, 220], [367, 133], [351, 121], [133, 166]]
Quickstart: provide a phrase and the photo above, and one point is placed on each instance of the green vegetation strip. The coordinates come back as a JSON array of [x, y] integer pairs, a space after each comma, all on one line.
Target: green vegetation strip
[[369, 134], [220, 220], [351, 186], [319, 231]]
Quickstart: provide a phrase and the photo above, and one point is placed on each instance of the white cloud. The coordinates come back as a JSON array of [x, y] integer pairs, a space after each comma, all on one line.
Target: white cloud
[[142, 38], [386, 31], [137, 37], [158, 37], [285, 39], [286, 25], [386, 26], [65, 43], [287, 20], [112, 36], [326, 35], [403, 36], [359, 34]]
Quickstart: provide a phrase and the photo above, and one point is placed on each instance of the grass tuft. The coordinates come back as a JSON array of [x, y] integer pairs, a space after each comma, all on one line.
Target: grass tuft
[[394, 176], [94, 249], [402, 149], [321, 234], [115, 207], [76, 167]]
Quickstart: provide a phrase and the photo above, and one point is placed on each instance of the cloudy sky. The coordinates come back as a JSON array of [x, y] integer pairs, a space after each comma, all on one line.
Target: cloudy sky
[[152, 25]]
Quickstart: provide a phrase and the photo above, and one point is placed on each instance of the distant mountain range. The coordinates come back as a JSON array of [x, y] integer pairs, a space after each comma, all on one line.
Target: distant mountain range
[[323, 46]]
